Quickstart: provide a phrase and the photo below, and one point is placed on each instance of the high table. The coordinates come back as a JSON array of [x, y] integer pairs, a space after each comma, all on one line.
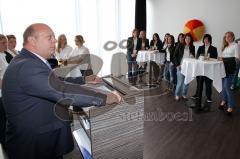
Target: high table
[[148, 56], [211, 68]]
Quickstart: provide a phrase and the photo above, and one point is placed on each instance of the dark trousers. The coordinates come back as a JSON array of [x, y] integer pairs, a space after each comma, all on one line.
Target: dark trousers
[[156, 69], [235, 78], [208, 85], [2, 123], [47, 145], [132, 66]]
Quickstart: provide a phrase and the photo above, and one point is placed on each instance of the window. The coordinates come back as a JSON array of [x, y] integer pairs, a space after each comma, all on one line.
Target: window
[[97, 20]]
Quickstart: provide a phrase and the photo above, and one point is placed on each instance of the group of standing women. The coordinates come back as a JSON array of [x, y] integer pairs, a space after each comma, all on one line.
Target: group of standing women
[[175, 53]]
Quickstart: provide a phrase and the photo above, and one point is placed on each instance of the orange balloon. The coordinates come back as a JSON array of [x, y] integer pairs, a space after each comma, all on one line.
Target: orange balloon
[[196, 28]]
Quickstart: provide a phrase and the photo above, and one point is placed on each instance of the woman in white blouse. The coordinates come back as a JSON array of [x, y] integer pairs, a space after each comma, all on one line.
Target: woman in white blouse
[[80, 56], [229, 56], [63, 50], [3, 67]]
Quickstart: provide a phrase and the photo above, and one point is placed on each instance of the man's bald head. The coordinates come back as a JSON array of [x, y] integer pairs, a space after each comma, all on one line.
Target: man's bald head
[[39, 38], [32, 31]]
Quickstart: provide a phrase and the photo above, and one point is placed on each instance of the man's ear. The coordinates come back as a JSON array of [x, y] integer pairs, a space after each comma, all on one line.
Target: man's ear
[[32, 40]]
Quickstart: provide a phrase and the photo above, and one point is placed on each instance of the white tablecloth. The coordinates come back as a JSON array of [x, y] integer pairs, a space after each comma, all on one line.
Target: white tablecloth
[[145, 56], [212, 68]]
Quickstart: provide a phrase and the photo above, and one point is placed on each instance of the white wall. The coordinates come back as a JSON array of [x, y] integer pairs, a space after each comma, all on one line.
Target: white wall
[[170, 16]]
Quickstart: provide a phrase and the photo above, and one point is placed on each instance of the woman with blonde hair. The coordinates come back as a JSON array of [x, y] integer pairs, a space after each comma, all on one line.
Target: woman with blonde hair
[[63, 50], [229, 55]]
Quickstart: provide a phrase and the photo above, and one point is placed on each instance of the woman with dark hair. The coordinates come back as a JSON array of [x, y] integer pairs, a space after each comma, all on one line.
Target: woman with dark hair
[[180, 39], [229, 55], [156, 42], [182, 51], [169, 63], [206, 50]]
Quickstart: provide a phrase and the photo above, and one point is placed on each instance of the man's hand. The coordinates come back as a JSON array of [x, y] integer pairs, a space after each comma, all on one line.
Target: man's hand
[[93, 79], [113, 97]]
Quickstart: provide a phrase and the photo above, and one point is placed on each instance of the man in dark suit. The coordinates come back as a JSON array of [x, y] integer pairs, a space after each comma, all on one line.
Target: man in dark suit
[[31, 93], [206, 50]]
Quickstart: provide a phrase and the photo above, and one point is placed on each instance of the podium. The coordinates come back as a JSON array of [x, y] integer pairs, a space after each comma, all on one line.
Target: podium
[[113, 131]]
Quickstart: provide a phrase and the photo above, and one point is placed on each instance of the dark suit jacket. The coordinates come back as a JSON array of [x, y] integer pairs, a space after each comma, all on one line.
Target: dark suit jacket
[[130, 45], [211, 50], [171, 50], [179, 51], [30, 93], [159, 45], [146, 44]]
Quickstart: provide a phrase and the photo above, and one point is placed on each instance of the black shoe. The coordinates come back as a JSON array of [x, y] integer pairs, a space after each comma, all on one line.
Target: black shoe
[[194, 97], [198, 110], [229, 113], [222, 107], [206, 108], [184, 98]]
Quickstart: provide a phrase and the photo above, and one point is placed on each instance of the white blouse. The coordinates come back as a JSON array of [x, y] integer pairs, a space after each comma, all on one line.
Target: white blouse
[[168, 54], [64, 53], [3, 67], [135, 44], [232, 50], [77, 52]]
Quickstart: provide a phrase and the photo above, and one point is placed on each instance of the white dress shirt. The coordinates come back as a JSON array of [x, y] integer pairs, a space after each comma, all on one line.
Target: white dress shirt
[[43, 60], [232, 50], [206, 50]]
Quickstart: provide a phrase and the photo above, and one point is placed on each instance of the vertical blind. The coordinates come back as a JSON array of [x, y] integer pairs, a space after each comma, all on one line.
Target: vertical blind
[[99, 21]]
